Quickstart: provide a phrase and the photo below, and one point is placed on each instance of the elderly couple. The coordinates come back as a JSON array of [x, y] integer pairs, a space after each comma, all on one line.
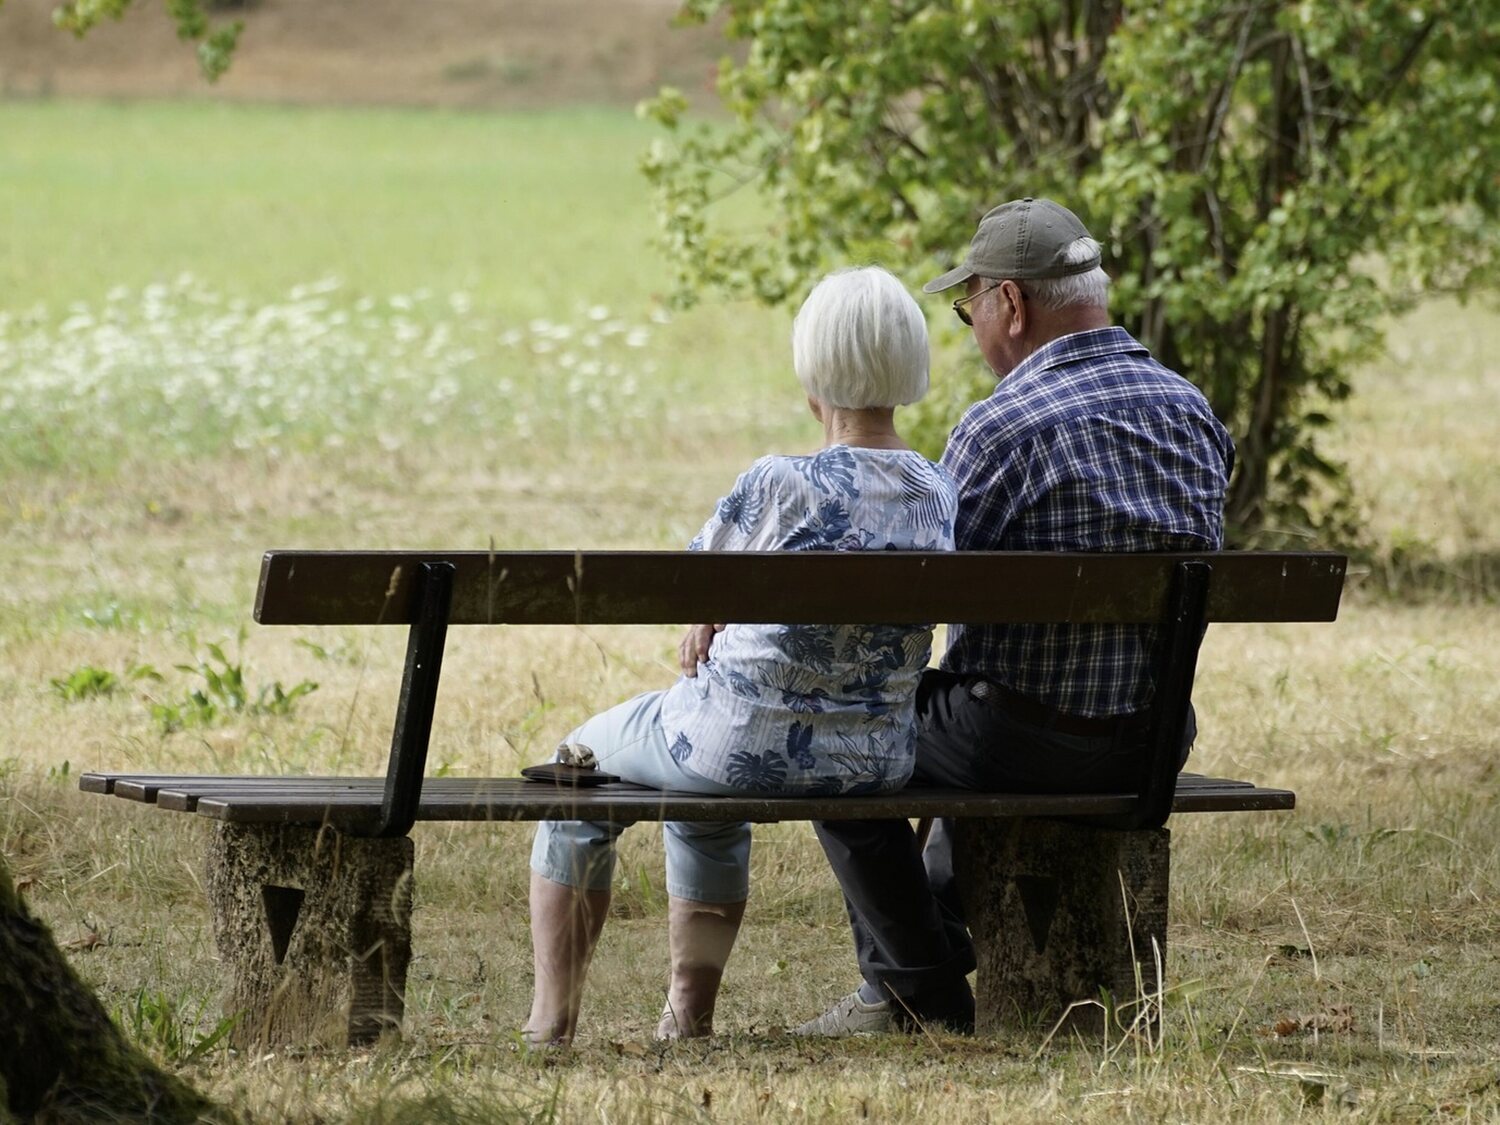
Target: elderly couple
[[1087, 444]]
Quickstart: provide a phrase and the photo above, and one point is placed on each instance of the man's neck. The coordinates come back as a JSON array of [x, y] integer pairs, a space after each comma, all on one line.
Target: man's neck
[[1048, 325]]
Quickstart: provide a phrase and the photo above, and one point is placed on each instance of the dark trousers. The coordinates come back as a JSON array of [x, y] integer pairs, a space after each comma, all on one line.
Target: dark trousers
[[903, 902]]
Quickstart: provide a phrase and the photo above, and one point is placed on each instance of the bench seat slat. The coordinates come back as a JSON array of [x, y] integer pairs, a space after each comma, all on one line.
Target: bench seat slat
[[145, 787], [354, 801], [506, 807], [177, 798]]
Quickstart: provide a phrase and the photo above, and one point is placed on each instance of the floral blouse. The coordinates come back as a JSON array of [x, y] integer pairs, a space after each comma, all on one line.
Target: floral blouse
[[820, 709]]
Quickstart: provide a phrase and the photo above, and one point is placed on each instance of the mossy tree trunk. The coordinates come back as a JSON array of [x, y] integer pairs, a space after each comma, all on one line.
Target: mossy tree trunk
[[62, 1059]]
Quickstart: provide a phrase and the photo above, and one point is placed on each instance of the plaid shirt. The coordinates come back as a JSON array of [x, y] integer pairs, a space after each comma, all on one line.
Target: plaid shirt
[[1088, 445]]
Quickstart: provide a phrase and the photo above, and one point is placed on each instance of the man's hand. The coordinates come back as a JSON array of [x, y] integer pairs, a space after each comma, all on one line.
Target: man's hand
[[694, 647]]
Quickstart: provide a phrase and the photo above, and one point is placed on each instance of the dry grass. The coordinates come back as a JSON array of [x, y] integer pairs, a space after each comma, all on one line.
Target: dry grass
[[1365, 924]]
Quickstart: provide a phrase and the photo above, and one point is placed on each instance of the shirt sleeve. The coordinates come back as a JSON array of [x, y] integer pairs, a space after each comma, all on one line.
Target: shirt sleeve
[[745, 519], [990, 483]]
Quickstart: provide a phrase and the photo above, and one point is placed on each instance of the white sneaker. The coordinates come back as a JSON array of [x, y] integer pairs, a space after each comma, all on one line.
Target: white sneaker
[[851, 1016]]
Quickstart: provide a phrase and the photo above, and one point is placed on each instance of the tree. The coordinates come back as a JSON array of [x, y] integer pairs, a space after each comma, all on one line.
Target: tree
[[61, 1057], [1270, 178]]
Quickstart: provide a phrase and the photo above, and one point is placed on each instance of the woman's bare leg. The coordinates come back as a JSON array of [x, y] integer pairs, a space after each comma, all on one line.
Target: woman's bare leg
[[700, 936], [565, 926]]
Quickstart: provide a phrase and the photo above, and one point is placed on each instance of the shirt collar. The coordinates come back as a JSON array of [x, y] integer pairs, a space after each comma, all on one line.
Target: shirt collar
[[1075, 348]]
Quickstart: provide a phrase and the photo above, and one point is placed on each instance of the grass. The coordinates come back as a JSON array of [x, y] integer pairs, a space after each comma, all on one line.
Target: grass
[[512, 208], [159, 433]]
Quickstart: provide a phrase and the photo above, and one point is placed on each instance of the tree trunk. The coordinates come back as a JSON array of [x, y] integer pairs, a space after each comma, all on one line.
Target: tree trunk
[[61, 1057]]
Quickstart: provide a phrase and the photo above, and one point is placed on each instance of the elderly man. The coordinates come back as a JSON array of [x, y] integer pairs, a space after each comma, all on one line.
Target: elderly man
[[1087, 444]]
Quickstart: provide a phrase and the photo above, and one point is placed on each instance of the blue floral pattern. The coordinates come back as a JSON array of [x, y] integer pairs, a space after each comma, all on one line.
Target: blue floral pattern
[[822, 530], [830, 470], [744, 505], [819, 709], [765, 772], [681, 749], [799, 745]]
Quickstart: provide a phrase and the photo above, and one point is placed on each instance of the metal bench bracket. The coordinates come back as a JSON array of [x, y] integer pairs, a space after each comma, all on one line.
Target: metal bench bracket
[[1176, 662], [419, 684]]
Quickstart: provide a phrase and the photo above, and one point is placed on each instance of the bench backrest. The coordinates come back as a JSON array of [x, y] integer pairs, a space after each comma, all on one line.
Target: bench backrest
[[1180, 593], [819, 587]]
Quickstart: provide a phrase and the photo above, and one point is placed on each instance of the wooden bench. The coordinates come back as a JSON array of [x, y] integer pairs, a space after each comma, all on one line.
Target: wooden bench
[[310, 878]]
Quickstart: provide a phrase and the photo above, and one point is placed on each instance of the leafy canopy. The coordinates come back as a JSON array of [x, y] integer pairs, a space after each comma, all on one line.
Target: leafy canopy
[[1269, 178]]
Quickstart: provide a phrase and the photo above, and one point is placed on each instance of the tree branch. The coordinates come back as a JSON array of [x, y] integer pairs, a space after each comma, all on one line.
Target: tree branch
[[1393, 76], [1226, 94]]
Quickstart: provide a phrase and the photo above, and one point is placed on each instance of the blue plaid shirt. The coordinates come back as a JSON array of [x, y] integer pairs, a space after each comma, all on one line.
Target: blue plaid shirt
[[1088, 445]]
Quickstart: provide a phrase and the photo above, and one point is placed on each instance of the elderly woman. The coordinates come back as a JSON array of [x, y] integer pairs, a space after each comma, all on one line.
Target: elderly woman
[[765, 709]]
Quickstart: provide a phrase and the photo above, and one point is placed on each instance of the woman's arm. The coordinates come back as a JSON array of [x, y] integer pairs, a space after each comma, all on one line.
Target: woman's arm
[[744, 520]]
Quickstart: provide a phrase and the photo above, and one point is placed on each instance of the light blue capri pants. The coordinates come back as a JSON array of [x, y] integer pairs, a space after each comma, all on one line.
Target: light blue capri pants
[[707, 862]]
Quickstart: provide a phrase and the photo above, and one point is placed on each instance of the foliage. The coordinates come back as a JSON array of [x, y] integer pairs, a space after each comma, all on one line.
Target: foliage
[[224, 692], [221, 691], [215, 44], [1269, 178], [90, 682], [85, 682], [171, 1028]]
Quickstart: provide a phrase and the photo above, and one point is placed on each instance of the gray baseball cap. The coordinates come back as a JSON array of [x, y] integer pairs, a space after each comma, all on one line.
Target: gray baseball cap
[[1024, 239]]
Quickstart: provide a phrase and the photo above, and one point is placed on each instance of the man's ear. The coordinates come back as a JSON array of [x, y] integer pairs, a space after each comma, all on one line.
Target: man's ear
[[816, 407], [1010, 292]]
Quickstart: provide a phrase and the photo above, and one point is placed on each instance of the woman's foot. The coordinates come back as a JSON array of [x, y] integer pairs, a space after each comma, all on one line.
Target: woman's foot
[[541, 1042], [669, 1027]]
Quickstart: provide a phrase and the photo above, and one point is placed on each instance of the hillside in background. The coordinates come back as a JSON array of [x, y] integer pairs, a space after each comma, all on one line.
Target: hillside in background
[[503, 53]]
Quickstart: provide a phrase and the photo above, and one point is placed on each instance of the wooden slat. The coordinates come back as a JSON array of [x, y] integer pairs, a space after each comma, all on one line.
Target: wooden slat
[[352, 812], [353, 802], [637, 587], [148, 789], [185, 798]]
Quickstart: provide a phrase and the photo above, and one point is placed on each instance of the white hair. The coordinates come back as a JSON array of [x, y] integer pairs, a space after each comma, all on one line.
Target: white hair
[[1091, 288], [860, 340]]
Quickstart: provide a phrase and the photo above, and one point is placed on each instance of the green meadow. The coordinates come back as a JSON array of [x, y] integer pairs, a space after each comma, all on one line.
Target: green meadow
[[224, 329]]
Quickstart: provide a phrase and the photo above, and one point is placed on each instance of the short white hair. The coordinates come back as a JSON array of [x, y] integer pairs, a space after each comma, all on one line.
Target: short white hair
[[1091, 288], [860, 340]]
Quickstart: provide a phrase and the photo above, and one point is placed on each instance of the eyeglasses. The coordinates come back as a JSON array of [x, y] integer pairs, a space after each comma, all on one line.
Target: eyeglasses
[[963, 313]]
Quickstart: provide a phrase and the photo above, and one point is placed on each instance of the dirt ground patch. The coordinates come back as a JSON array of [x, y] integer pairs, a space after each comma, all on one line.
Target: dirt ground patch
[[496, 53]]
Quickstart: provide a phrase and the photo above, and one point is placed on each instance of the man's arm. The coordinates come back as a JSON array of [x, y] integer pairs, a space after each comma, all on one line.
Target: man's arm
[[991, 486]]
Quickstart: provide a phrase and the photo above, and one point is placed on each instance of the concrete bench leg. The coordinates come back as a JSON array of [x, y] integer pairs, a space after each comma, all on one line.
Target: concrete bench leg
[[314, 929], [1062, 912]]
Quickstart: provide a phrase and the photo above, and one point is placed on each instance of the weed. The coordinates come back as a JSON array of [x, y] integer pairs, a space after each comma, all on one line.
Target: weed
[[343, 651], [171, 1028], [90, 682], [224, 693], [86, 682]]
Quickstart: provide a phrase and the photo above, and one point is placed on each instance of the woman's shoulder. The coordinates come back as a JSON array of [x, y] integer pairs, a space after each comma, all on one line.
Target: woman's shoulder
[[765, 472], [844, 469], [913, 469]]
